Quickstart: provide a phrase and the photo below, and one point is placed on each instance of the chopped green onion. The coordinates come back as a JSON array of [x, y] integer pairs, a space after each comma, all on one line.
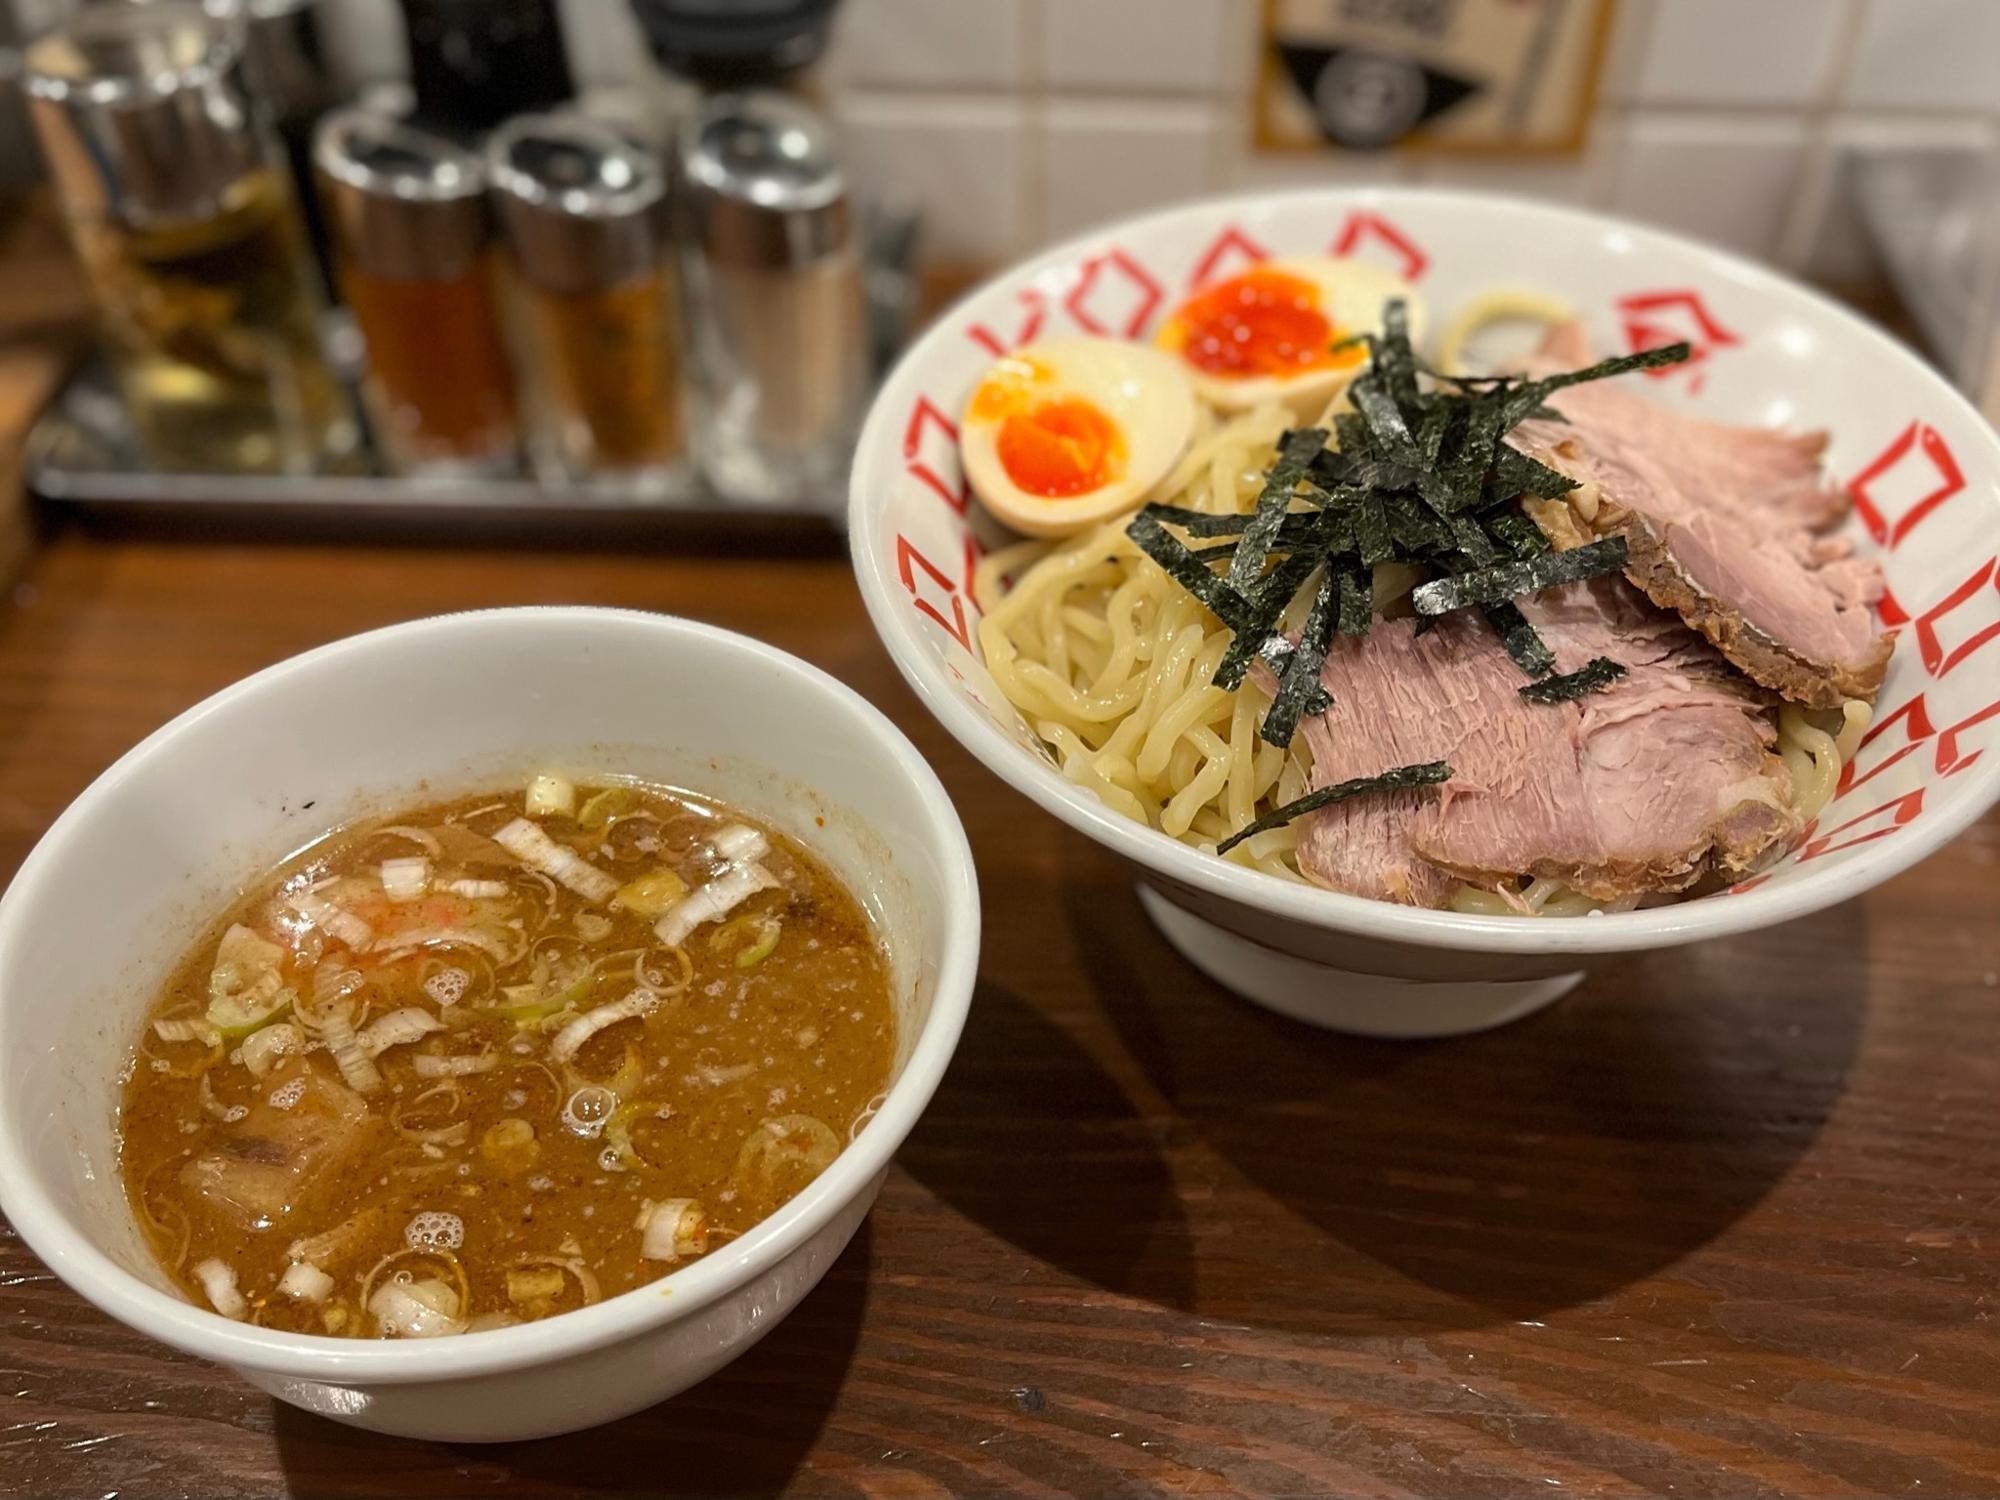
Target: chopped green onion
[[605, 807]]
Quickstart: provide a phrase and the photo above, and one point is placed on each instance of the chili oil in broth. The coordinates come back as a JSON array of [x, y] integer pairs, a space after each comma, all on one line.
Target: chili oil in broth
[[402, 1100]]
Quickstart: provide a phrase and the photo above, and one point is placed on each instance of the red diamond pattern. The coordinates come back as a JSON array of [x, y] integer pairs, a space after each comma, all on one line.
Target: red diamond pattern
[[1865, 828], [1914, 722], [973, 552], [1939, 656], [1231, 241], [1889, 524], [927, 462], [1952, 756], [1034, 308], [1095, 301], [1363, 225], [1669, 316], [908, 561]]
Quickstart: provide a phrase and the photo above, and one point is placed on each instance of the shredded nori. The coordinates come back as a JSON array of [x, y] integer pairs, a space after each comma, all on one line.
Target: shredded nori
[[1357, 601], [1518, 474], [1269, 602], [1522, 641], [1518, 534], [1510, 580], [1418, 476], [1295, 452], [1401, 779], [1594, 675], [1301, 674]]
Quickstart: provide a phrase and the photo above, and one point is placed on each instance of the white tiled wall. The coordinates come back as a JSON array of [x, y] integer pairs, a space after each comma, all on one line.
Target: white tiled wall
[[1174, 47], [1106, 157], [1928, 54], [1727, 119], [1725, 180], [961, 160], [1012, 122], [933, 44], [1762, 53]]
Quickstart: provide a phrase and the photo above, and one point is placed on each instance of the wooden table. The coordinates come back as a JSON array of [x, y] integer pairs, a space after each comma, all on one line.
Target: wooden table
[[1726, 1220]]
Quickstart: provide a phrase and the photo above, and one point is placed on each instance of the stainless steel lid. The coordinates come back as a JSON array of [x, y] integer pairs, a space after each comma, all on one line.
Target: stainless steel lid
[[582, 203], [764, 182], [405, 204], [142, 110]]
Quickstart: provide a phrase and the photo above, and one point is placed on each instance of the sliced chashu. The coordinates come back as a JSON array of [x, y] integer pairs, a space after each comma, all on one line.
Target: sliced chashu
[[1725, 526], [1645, 786]]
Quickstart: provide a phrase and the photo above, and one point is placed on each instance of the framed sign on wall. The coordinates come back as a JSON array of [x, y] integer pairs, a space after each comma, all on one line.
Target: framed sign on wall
[[1428, 75]]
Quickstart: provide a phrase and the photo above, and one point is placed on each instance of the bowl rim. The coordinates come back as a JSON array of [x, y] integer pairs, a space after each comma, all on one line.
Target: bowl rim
[[205, 1333], [1150, 849]]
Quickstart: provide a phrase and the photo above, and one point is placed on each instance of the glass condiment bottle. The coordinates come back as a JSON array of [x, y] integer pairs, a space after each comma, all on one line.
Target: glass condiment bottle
[[776, 320], [285, 46], [182, 212], [595, 299], [413, 243]]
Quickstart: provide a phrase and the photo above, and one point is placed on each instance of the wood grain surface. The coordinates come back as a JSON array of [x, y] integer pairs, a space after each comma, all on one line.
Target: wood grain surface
[[1724, 1222]]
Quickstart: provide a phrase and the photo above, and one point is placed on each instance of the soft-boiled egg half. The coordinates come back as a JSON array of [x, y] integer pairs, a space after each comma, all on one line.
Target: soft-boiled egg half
[[1062, 435], [1268, 333]]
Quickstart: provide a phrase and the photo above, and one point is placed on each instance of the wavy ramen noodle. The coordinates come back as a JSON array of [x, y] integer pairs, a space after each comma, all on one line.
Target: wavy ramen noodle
[[1110, 661]]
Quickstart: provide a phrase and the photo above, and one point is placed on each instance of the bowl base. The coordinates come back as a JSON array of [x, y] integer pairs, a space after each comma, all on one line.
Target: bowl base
[[1339, 999]]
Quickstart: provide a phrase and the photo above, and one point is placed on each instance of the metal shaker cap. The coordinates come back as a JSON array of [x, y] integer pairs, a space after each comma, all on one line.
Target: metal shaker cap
[[142, 110], [764, 183], [405, 204], [582, 203]]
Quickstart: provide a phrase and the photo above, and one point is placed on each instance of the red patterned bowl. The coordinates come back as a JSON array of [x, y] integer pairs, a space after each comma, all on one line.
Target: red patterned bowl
[[1922, 466]]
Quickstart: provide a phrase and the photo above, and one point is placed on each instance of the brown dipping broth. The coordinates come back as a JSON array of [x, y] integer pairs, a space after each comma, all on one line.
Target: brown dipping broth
[[769, 1043]]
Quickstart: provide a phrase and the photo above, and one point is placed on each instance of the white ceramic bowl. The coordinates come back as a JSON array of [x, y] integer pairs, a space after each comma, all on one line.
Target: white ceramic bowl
[[1923, 466], [145, 857]]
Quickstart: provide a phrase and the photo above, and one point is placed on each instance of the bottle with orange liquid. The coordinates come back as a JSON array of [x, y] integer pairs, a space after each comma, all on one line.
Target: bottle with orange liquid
[[594, 300], [414, 246]]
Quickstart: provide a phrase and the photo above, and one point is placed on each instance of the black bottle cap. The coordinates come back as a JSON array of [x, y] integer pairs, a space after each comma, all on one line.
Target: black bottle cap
[[735, 43]]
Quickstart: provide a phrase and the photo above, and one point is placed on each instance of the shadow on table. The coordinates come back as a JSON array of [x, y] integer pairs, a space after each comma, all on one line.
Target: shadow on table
[[744, 1431], [1030, 1138], [1493, 1177]]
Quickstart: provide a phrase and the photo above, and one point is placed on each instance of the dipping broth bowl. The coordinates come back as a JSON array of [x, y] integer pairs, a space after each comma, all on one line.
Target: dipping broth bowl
[[158, 845]]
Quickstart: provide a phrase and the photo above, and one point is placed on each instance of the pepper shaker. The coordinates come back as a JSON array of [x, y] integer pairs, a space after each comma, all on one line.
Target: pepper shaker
[[583, 208], [775, 313]]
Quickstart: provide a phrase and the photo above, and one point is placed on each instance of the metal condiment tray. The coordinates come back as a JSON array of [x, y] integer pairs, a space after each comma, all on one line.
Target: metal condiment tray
[[82, 452]]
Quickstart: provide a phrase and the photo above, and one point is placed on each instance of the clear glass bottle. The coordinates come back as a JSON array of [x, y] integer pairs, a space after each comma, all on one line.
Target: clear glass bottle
[[594, 299], [183, 214], [414, 250]]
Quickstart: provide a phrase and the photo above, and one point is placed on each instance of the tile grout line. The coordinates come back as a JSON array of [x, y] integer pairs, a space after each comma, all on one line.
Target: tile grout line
[[1813, 195], [1034, 185]]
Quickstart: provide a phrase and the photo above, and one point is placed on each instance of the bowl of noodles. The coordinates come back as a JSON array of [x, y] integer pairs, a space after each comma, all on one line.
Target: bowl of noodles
[[1430, 595]]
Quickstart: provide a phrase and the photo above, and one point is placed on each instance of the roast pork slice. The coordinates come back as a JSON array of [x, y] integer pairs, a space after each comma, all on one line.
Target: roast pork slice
[[255, 1173], [1724, 525], [1645, 786]]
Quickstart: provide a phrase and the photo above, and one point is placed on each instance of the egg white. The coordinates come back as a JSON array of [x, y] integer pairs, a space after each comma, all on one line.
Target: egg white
[[1144, 393], [1351, 297]]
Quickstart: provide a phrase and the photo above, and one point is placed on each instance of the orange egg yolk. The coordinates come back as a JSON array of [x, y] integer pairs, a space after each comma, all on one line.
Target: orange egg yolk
[[1060, 448], [1263, 322]]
